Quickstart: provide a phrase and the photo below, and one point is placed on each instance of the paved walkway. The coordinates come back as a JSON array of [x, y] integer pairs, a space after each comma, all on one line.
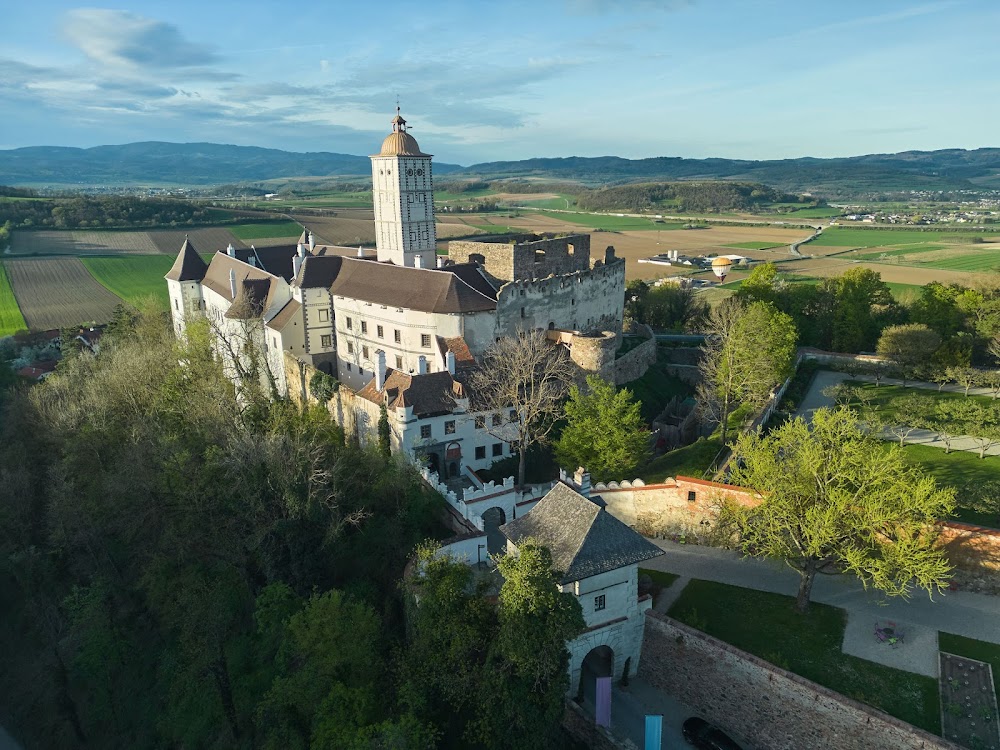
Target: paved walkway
[[958, 612], [816, 399]]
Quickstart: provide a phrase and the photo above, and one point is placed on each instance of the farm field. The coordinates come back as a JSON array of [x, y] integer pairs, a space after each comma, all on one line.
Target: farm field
[[892, 273], [282, 229], [753, 245], [11, 320], [58, 292], [207, 241], [133, 278], [80, 242], [858, 237]]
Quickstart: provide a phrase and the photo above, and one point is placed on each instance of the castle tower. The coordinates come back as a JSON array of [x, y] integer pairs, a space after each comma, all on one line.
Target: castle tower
[[184, 285], [403, 194]]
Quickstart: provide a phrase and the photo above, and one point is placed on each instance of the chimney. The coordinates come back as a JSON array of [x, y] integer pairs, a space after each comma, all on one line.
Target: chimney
[[441, 259], [449, 359], [361, 252], [252, 260], [379, 370], [421, 365], [301, 250], [418, 262], [231, 251], [296, 265], [582, 481], [232, 282], [312, 241]]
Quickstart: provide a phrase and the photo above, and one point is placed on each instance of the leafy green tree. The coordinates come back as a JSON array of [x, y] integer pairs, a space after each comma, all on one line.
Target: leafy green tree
[[909, 347], [833, 500], [384, 432], [937, 308], [862, 306], [750, 352], [604, 432], [323, 386]]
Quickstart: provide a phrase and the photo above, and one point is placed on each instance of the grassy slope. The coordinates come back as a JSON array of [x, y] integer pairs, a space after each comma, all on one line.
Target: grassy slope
[[133, 278], [768, 626], [690, 461], [11, 320], [261, 231]]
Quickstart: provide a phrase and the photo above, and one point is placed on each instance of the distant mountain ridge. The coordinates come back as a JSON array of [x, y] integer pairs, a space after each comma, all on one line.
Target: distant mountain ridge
[[157, 162]]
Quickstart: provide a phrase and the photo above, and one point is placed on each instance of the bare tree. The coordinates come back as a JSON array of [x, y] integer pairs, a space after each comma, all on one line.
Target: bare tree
[[523, 379]]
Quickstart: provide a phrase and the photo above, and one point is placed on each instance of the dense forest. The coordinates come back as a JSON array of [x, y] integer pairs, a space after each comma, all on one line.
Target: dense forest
[[101, 212], [185, 565], [683, 196]]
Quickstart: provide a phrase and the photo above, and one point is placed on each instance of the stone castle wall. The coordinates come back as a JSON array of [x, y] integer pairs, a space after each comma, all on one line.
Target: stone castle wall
[[519, 257], [761, 704], [633, 365]]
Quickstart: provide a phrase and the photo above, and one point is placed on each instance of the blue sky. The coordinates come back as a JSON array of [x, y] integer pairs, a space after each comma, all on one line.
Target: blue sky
[[483, 81]]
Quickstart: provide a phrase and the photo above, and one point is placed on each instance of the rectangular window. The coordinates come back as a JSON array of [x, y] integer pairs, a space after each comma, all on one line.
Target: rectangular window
[[497, 449], [691, 496], [349, 368], [364, 352], [480, 452], [513, 415], [399, 362], [600, 602], [378, 331], [396, 336], [480, 422], [177, 305], [497, 420], [326, 341], [449, 427], [350, 348], [425, 431], [364, 326], [324, 315], [349, 323], [425, 340]]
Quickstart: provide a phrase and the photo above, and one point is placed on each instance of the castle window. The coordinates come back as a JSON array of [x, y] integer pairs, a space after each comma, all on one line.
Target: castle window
[[350, 348], [349, 323], [364, 326], [497, 420], [399, 362], [480, 452], [425, 340], [324, 316], [691, 496], [522, 313], [396, 337], [600, 602], [378, 331], [364, 352], [497, 449], [449, 427], [480, 423], [513, 415], [425, 431], [326, 341], [177, 305], [349, 368]]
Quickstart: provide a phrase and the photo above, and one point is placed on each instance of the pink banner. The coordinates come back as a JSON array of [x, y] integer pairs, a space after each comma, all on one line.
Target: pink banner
[[604, 702]]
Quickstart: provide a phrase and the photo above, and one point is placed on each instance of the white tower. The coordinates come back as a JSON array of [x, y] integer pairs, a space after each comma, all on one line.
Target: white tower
[[184, 286], [403, 193]]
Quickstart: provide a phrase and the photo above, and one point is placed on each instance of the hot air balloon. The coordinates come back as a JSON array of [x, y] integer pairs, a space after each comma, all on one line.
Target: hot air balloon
[[721, 266]]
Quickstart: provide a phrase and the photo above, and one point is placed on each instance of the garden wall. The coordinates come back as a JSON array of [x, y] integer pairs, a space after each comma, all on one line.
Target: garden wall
[[633, 364], [766, 706]]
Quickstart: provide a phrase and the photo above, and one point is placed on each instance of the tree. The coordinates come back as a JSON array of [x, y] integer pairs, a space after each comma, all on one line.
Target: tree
[[938, 309], [605, 431], [909, 347], [528, 376], [833, 500], [909, 414], [979, 420], [750, 351], [967, 377], [664, 307], [862, 304], [384, 432]]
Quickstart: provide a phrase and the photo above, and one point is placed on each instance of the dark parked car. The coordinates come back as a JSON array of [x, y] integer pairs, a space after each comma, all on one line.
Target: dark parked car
[[705, 736]]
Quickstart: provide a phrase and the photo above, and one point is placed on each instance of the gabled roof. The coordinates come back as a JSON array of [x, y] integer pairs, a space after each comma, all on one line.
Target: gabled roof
[[457, 346], [319, 271], [189, 266], [285, 315], [583, 538], [429, 395], [217, 276], [251, 299], [472, 274], [424, 289]]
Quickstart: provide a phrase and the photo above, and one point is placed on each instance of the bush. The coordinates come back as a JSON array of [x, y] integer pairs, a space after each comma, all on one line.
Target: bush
[[323, 386]]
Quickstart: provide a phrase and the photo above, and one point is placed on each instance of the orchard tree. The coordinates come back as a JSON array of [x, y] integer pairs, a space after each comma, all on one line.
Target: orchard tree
[[750, 351], [910, 347], [833, 500], [605, 431]]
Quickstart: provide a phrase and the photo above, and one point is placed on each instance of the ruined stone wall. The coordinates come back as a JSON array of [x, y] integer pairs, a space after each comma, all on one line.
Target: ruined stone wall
[[633, 365], [761, 704], [525, 256], [594, 353]]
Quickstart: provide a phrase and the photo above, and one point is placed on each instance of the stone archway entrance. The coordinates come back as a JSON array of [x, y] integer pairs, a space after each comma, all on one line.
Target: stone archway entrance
[[434, 463], [493, 519], [599, 662]]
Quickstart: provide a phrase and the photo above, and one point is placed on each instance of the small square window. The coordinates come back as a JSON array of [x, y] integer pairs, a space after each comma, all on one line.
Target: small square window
[[396, 336], [480, 452], [691, 496], [425, 340], [350, 348], [497, 420], [324, 316], [480, 422], [379, 331], [425, 431], [399, 362], [364, 326], [349, 323], [497, 449], [449, 427], [600, 602], [326, 341], [364, 352]]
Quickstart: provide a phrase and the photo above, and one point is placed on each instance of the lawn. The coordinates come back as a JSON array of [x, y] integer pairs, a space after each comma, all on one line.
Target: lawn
[[11, 320], [860, 237], [809, 645], [690, 461], [958, 469], [265, 231], [660, 578], [973, 649], [133, 278]]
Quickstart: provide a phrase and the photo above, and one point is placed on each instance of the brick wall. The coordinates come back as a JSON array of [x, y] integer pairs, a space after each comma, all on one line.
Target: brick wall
[[767, 707]]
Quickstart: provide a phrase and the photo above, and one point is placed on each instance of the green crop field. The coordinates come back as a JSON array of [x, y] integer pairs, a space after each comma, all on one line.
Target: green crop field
[[860, 237], [616, 223], [133, 278], [975, 260], [564, 201], [755, 245], [817, 212], [898, 252], [11, 320], [264, 231]]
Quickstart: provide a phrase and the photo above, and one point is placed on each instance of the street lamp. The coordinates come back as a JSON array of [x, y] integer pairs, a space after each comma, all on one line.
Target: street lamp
[[721, 266]]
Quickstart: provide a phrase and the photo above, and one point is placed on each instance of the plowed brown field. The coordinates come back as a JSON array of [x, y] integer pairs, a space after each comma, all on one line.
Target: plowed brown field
[[58, 292], [206, 241], [46, 242]]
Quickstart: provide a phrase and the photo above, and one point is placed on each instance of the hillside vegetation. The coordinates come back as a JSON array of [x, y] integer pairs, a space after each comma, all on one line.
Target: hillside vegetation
[[683, 196]]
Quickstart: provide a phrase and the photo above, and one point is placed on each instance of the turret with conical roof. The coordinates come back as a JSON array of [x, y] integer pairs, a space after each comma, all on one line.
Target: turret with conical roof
[[189, 266], [403, 196], [184, 285]]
